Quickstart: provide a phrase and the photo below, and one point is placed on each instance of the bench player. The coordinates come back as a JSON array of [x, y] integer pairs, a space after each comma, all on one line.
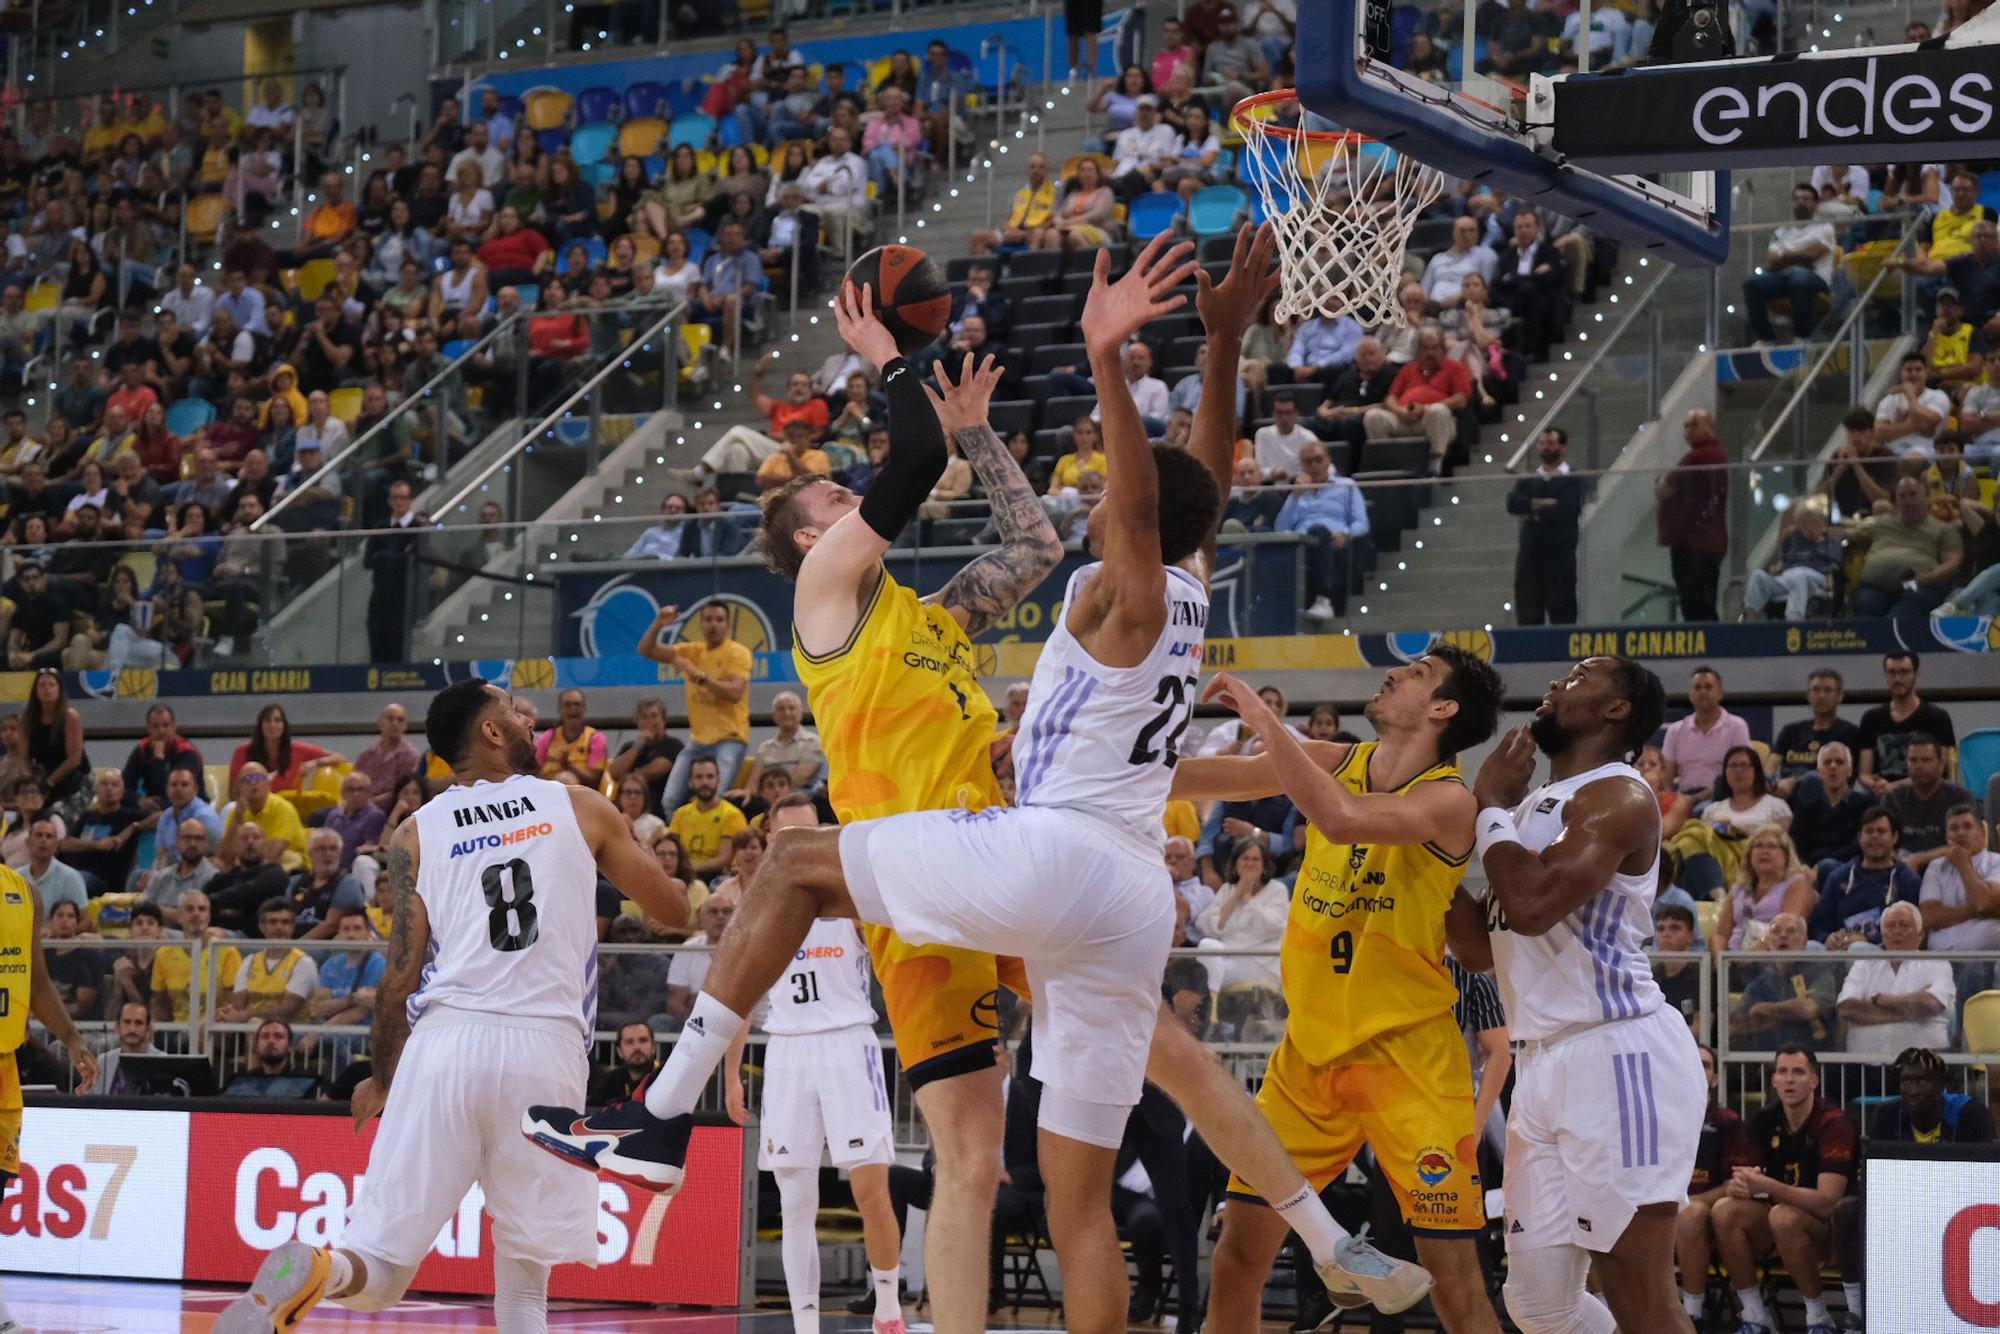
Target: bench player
[[904, 737], [1609, 1095], [823, 1085], [1371, 1049], [487, 1005]]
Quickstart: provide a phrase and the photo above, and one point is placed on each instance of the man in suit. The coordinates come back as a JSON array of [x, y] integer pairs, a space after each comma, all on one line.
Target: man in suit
[[1530, 282], [1549, 501], [980, 299]]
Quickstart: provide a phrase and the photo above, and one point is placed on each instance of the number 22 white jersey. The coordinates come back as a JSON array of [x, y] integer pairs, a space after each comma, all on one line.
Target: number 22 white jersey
[[509, 885], [1106, 739], [825, 986]]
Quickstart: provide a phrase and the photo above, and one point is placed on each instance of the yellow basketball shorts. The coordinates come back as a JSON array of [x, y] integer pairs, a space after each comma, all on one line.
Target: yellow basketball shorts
[[1408, 1094], [10, 1117], [943, 1003]]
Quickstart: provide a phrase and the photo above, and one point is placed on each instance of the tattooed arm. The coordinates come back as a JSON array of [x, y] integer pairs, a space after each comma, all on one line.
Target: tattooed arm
[[987, 589], [409, 943]]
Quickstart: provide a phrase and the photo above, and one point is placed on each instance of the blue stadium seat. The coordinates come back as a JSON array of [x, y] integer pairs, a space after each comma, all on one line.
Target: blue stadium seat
[[594, 246], [1213, 212], [644, 98], [1989, 190], [552, 141], [694, 130], [1152, 214], [530, 294], [682, 98], [698, 243], [457, 348], [656, 167], [188, 415], [600, 174], [1978, 757], [597, 105], [593, 143]]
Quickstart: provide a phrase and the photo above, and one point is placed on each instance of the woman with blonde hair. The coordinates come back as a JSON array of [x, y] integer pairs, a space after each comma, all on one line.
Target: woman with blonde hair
[[1770, 880]]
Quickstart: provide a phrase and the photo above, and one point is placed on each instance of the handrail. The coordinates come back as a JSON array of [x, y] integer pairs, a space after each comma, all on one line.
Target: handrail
[[1582, 373], [577, 395], [1836, 339], [409, 404]]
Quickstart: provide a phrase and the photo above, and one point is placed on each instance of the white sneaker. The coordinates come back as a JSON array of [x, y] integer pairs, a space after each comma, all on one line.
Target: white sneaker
[[1360, 1275], [1321, 610]]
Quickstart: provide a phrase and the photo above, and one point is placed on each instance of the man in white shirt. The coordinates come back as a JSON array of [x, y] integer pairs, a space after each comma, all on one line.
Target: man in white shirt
[[1979, 415], [1798, 266], [1278, 445], [191, 304], [1899, 998], [273, 113], [1445, 274], [1908, 417], [1961, 894], [1189, 887], [478, 149], [1610, 35], [1850, 183], [837, 184], [1149, 393], [1143, 150]]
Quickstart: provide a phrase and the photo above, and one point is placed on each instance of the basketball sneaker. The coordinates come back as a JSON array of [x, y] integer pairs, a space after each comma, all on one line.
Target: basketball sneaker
[[289, 1283], [892, 1326], [1361, 1276], [626, 1143]]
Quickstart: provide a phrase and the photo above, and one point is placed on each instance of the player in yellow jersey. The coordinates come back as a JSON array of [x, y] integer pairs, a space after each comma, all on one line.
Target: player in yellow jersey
[[1371, 1051], [26, 988]]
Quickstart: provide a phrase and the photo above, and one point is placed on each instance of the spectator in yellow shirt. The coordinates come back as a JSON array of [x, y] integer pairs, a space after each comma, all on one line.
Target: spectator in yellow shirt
[[173, 965], [798, 457], [718, 696], [1034, 208], [706, 824], [1087, 455], [275, 982], [257, 804]]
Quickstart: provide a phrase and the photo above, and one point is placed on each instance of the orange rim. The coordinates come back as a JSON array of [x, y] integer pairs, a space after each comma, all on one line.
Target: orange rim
[[1243, 116]]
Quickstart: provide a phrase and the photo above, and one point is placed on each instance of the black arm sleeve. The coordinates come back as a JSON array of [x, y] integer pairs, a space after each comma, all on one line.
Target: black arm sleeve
[[917, 454]]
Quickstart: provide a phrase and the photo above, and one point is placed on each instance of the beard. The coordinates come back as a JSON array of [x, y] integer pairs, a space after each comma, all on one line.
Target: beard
[[521, 755], [1550, 738]]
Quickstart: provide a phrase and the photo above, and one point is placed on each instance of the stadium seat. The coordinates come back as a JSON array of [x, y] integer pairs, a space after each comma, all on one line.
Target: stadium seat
[[1982, 1023], [1034, 266], [729, 132], [693, 130], [645, 246], [698, 243], [1063, 411], [531, 294], [1047, 357], [959, 268], [45, 295], [185, 416], [1046, 310], [1031, 336], [345, 403], [592, 144], [1153, 214], [601, 175], [1214, 212], [682, 98], [312, 277], [457, 348], [656, 167], [594, 247], [597, 105], [696, 339], [1075, 160], [641, 136], [647, 98], [552, 141], [205, 215], [546, 108], [1007, 418], [1989, 189], [1978, 758]]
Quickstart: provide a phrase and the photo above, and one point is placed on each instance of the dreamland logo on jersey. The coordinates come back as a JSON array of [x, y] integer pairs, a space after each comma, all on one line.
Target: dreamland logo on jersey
[[1433, 1166]]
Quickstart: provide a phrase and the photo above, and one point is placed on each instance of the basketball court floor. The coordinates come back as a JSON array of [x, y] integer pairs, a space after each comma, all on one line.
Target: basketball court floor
[[45, 1305]]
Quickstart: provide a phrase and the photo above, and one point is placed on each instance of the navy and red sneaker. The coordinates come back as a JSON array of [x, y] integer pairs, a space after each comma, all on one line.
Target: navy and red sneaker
[[626, 1143]]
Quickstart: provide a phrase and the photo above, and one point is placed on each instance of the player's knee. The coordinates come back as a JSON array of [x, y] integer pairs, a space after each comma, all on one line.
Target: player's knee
[[1791, 1221], [1540, 1309]]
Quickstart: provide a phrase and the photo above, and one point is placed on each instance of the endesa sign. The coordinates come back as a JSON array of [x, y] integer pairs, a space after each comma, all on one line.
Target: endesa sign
[[1933, 1235], [202, 1196]]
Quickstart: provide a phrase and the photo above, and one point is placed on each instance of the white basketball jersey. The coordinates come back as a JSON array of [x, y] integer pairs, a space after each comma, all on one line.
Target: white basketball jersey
[[511, 890], [1591, 968], [1106, 739], [826, 985]]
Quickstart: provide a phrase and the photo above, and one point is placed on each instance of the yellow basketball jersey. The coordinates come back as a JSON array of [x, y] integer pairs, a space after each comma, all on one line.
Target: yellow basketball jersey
[[17, 958], [902, 717], [1364, 943]]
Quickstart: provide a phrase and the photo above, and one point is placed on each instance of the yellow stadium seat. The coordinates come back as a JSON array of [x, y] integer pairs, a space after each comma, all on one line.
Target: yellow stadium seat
[[1707, 912], [878, 70], [705, 160], [1103, 164], [144, 565], [695, 342], [205, 214], [44, 295], [546, 108], [312, 278], [345, 404], [640, 136], [219, 792], [779, 152], [322, 790], [1982, 1022], [645, 247], [760, 154]]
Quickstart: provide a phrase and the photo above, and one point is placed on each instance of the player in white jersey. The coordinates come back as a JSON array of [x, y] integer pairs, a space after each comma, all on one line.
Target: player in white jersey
[[487, 1005], [823, 1084], [1609, 1095]]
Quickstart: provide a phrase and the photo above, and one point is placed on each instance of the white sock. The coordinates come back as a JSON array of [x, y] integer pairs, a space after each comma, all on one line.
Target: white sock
[[1852, 1291], [703, 1042], [1692, 1304], [1816, 1312], [1305, 1215], [888, 1302], [1752, 1302], [341, 1275]]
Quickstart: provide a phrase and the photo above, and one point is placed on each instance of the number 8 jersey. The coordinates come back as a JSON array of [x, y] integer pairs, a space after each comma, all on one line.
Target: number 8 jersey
[[511, 890], [1106, 739]]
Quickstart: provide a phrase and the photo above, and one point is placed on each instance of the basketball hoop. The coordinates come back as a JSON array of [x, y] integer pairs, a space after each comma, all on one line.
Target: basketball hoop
[[1343, 206]]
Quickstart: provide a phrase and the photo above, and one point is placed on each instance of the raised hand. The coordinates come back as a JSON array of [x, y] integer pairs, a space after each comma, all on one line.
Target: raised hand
[[1115, 311], [1242, 697], [854, 315], [1504, 777], [1232, 306], [963, 405]]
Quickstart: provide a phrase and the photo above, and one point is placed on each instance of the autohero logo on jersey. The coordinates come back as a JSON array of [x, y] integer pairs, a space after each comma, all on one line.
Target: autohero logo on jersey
[[496, 812], [99, 1193], [255, 1182]]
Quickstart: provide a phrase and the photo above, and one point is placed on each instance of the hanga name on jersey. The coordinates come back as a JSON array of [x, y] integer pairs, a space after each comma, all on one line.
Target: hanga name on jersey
[[492, 812]]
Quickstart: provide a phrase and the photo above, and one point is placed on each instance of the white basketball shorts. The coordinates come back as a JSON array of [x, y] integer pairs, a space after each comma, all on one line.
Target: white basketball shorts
[[1603, 1121], [825, 1088], [454, 1118], [1068, 894]]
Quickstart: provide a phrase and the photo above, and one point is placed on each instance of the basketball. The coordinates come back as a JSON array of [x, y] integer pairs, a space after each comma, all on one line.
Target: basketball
[[910, 292]]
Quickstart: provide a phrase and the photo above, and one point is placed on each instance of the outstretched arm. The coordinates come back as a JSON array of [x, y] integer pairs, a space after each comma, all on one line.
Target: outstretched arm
[[1244, 777], [1433, 813], [1227, 310], [987, 589], [1119, 613], [1604, 825]]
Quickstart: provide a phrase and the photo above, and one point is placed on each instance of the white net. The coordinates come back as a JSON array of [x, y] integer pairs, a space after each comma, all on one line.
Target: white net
[[1343, 207]]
